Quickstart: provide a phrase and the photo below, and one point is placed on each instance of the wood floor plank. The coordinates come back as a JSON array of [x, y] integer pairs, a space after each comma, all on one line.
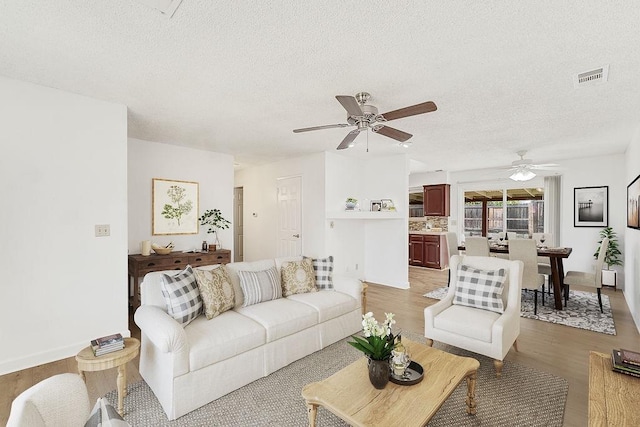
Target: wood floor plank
[[557, 349]]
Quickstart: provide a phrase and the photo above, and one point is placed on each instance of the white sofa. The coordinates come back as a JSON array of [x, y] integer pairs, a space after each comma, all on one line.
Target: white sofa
[[188, 367]]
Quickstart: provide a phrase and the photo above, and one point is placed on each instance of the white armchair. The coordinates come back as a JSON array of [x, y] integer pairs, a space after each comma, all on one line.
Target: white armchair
[[481, 331], [61, 400]]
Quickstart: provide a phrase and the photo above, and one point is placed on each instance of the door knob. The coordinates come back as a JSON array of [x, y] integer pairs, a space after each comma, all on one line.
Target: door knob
[[296, 235]]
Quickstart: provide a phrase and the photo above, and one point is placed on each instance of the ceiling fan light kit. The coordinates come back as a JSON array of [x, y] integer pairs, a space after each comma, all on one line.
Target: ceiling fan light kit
[[365, 116], [522, 174]]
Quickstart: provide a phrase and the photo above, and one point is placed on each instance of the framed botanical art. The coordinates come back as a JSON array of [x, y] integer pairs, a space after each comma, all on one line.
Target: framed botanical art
[[174, 207], [591, 206], [633, 204]]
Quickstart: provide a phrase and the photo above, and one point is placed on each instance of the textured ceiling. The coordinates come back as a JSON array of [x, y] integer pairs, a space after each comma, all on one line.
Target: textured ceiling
[[237, 76]]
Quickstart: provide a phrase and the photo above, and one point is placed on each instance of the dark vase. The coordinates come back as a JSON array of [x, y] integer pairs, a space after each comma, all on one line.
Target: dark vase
[[379, 373]]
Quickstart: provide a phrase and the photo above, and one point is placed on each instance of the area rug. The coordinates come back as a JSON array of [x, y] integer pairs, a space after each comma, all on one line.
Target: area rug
[[582, 310], [522, 396]]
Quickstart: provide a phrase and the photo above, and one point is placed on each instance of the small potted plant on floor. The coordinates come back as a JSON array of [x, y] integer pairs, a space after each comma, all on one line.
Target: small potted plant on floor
[[612, 257], [214, 219]]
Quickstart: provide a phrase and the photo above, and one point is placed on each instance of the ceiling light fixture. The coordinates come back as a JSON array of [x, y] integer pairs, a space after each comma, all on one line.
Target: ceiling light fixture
[[522, 174]]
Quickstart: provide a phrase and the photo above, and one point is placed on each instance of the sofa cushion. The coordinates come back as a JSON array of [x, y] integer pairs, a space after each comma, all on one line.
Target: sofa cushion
[[329, 304], [259, 286], [323, 269], [480, 288], [221, 338], [216, 291], [182, 296], [298, 277], [233, 269], [281, 317], [467, 321]]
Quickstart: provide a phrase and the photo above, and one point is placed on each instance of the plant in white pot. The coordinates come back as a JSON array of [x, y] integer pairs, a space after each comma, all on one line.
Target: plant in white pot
[[612, 257], [214, 219]]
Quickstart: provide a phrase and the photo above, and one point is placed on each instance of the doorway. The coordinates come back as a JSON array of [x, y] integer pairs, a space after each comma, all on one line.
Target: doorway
[[238, 227], [289, 216]]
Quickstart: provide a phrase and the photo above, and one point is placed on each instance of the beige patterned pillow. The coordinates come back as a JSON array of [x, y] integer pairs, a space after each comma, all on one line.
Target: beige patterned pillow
[[298, 277], [216, 291]]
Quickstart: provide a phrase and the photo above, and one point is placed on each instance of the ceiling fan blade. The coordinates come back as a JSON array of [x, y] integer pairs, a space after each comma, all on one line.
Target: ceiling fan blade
[[346, 142], [350, 104], [425, 107], [396, 134], [339, 125]]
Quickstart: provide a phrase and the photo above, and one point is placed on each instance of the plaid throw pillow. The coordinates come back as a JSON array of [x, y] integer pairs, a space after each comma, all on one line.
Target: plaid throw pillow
[[103, 414], [259, 286], [323, 267], [182, 296], [480, 288]]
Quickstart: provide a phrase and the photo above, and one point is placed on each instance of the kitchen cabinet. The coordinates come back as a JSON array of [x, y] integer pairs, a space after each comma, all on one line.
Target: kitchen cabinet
[[436, 200], [416, 249], [428, 250]]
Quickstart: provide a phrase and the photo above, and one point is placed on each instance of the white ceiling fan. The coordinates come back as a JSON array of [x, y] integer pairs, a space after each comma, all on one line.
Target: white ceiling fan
[[522, 170]]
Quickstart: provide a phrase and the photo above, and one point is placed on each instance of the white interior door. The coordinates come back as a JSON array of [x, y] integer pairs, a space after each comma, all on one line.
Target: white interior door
[[238, 227], [289, 216]]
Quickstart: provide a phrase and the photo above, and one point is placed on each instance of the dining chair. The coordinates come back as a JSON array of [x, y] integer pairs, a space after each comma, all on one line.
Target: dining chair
[[511, 235], [525, 250], [592, 280], [452, 247], [476, 246], [544, 263]]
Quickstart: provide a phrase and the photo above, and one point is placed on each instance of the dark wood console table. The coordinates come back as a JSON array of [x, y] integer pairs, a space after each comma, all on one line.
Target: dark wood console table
[[140, 265]]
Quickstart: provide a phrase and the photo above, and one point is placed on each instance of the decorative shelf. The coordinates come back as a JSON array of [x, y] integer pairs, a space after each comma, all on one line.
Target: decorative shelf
[[364, 215]]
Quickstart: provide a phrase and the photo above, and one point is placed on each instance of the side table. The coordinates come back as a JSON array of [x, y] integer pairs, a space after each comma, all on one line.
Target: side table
[[87, 362]]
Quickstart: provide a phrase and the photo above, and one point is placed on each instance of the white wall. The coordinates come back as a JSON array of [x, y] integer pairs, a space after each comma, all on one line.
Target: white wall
[[631, 246], [592, 172], [212, 171], [62, 170], [261, 209], [375, 250]]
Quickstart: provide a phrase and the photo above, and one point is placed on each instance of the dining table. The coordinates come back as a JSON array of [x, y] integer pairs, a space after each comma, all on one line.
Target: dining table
[[555, 255]]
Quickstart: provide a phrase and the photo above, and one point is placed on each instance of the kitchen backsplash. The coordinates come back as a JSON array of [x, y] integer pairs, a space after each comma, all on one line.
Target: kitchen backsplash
[[423, 224]]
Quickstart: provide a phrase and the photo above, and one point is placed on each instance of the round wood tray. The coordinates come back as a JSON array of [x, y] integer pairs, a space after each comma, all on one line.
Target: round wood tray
[[412, 375]]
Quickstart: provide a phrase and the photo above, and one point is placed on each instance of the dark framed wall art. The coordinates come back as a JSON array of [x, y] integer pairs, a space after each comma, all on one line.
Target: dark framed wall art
[[591, 206], [633, 204]]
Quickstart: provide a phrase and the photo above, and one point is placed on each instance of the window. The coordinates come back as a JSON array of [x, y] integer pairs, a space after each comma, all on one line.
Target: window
[[487, 213]]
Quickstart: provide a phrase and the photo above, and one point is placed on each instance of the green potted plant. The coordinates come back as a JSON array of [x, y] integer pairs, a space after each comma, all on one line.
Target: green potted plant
[[214, 219], [612, 257]]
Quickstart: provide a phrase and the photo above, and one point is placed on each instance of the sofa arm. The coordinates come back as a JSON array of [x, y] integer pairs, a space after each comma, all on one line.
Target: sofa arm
[[163, 331], [349, 286]]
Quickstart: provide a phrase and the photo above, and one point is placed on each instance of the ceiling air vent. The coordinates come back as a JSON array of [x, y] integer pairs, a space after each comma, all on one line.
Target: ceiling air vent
[[591, 78]]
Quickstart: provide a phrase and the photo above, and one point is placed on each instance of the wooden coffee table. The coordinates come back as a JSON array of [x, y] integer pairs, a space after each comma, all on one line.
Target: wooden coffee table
[[118, 359], [349, 394]]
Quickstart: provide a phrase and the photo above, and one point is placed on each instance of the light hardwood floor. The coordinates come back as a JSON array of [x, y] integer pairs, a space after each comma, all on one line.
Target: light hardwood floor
[[560, 350]]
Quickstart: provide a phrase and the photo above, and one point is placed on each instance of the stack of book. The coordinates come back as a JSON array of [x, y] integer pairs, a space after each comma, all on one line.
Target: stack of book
[[107, 344], [626, 362]]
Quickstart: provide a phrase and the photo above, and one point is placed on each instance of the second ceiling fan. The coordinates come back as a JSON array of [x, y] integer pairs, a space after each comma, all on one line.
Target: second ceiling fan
[[364, 116]]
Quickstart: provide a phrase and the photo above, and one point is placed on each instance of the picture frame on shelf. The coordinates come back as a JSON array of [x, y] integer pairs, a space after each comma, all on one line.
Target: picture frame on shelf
[[633, 204], [591, 206], [387, 205], [376, 205], [174, 207]]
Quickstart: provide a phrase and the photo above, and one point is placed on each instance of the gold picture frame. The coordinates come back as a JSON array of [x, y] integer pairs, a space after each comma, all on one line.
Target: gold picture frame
[[174, 207]]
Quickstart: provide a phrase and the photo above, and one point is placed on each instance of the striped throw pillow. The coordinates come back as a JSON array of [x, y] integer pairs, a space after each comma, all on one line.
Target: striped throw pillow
[[182, 296], [259, 286], [480, 288]]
